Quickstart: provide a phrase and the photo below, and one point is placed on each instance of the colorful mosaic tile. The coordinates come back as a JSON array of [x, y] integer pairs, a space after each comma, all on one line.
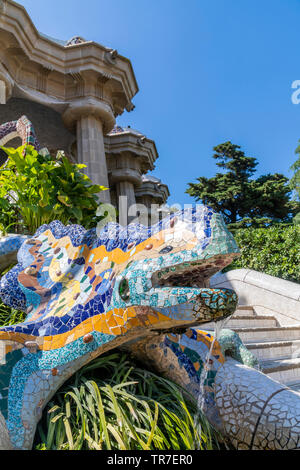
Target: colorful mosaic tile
[[86, 294], [11, 243], [24, 128]]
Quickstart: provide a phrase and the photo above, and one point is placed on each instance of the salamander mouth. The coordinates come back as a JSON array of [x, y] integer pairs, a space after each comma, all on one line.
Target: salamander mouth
[[191, 274]]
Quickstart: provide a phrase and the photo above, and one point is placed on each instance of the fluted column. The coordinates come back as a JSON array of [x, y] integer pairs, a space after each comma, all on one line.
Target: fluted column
[[126, 189], [125, 199], [2, 92], [90, 151], [92, 119], [125, 179], [6, 85]]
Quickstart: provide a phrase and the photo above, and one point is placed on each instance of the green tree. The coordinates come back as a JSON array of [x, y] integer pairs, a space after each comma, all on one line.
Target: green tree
[[295, 184], [295, 180], [240, 198]]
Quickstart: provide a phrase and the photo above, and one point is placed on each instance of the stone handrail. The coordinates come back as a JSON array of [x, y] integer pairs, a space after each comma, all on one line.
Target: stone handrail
[[264, 293]]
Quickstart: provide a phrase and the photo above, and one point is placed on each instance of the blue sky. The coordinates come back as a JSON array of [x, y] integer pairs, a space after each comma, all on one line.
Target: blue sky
[[208, 71]]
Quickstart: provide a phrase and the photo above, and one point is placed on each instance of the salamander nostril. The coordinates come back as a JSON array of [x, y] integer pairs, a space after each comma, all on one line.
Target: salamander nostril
[[124, 289], [166, 250]]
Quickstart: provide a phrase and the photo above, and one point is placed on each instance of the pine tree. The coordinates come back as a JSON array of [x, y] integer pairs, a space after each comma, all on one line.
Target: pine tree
[[241, 199]]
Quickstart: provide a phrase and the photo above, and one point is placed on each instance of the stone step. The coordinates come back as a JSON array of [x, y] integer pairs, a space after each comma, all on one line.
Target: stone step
[[265, 334], [295, 386], [244, 310], [245, 321], [274, 349], [241, 312], [285, 370]]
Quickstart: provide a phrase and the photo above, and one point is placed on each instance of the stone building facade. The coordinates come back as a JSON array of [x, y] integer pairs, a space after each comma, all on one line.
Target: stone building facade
[[73, 93]]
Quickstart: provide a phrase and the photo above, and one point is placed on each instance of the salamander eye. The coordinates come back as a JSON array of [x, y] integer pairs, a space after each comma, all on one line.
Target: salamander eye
[[166, 250], [124, 289]]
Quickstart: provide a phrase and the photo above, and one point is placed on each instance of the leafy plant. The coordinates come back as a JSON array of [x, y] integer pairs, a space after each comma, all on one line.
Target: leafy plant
[[8, 215], [112, 404], [36, 189], [274, 250]]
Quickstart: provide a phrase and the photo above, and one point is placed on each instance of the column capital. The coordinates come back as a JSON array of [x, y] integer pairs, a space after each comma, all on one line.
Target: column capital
[[153, 190], [130, 175], [87, 107]]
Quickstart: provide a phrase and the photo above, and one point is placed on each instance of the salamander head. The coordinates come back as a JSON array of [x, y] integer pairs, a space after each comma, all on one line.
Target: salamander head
[[170, 271]]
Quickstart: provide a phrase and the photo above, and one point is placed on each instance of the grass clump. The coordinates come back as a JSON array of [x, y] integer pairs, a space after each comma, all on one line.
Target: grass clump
[[8, 315], [111, 404]]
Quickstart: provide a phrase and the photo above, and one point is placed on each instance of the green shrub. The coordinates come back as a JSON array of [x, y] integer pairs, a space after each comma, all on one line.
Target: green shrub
[[36, 189], [8, 214], [274, 250], [111, 404]]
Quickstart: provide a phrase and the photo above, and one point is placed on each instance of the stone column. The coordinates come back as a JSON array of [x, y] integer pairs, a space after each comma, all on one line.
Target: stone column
[[124, 180], [125, 200], [126, 188], [152, 208], [90, 151], [2, 92], [6, 85], [92, 119]]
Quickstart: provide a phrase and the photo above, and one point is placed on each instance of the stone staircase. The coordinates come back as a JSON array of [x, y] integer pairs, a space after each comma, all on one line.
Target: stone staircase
[[277, 347]]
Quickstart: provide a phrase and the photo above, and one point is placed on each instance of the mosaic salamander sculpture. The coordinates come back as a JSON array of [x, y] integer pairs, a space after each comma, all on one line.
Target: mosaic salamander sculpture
[[132, 287], [85, 295]]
